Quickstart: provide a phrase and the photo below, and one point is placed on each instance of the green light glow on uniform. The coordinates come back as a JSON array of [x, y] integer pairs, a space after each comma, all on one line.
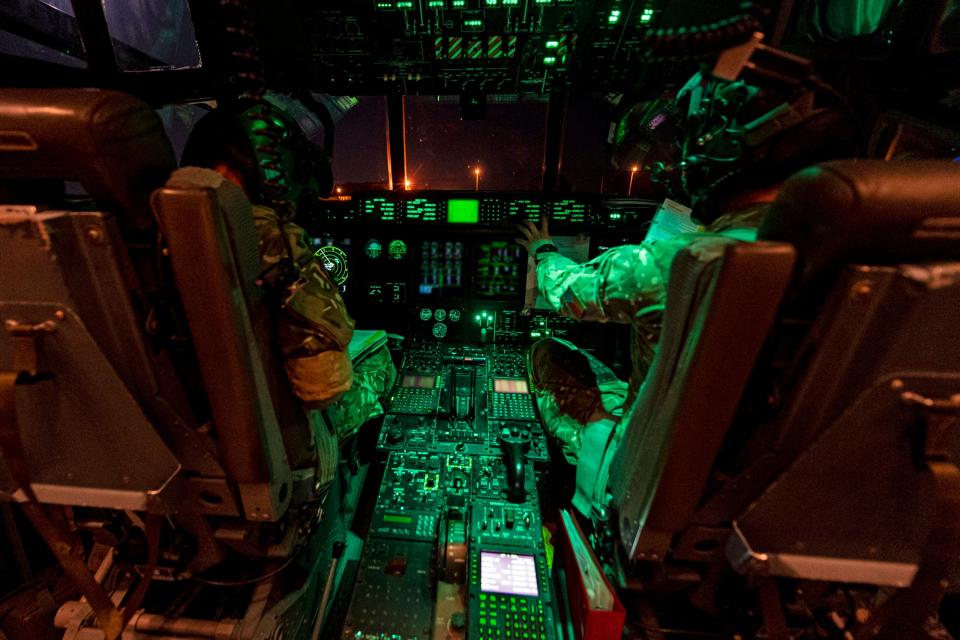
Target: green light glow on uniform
[[463, 211]]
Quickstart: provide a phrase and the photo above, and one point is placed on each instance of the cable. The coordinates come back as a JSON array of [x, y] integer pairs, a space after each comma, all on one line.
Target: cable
[[242, 583], [704, 39]]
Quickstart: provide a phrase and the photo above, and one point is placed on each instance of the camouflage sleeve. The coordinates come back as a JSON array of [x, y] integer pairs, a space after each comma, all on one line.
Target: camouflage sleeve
[[616, 286], [315, 318], [313, 327]]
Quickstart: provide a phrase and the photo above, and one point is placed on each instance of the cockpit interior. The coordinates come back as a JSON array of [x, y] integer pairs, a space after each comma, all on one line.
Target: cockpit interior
[[479, 319]]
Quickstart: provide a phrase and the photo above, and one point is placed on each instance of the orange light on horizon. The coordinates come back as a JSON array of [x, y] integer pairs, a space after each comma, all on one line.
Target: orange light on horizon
[[633, 172]]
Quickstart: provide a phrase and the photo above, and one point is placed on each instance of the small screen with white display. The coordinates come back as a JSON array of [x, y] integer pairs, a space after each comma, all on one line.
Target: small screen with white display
[[419, 382], [510, 385], [508, 573]]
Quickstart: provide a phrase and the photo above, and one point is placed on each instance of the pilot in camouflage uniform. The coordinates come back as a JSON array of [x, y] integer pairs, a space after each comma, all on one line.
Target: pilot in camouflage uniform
[[314, 330], [626, 285], [732, 166]]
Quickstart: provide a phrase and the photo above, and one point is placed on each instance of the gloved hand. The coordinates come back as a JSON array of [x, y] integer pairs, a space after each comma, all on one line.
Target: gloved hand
[[534, 237]]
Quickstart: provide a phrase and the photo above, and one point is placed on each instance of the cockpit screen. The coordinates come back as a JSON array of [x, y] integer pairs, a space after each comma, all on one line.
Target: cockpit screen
[[510, 385], [463, 211], [509, 573], [499, 271], [419, 382], [441, 266]]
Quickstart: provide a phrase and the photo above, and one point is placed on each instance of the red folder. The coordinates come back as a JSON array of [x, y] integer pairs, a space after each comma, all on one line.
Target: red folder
[[588, 623]]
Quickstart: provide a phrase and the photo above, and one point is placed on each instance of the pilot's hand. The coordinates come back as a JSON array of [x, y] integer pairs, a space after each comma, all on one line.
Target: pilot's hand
[[533, 237]]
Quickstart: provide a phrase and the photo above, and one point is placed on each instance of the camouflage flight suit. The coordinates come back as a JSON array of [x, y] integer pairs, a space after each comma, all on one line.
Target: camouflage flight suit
[[575, 391], [313, 332]]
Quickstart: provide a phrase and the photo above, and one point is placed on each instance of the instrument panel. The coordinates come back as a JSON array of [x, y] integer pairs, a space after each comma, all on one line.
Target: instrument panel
[[446, 266], [480, 46]]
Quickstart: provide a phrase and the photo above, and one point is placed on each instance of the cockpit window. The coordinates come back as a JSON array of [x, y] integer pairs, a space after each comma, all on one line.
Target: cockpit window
[[502, 151], [44, 31], [360, 151], [152, 34]]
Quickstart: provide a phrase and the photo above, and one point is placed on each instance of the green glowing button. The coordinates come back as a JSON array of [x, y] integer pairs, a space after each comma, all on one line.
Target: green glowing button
[[552, 44], [463, 211], [425, 314], [548, 60], [454, 315]]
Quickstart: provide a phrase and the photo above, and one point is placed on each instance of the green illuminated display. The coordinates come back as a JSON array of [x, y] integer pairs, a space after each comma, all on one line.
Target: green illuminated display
[[511, 3], [463, 211], [548, 60], [397, 250], [614, 16], [373, 249], [395, 519]]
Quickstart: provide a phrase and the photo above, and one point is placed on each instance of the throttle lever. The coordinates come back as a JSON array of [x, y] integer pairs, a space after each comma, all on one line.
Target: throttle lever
[[515, 443]]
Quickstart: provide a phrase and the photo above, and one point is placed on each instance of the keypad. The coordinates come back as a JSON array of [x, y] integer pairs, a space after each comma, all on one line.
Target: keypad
[[514, 406], [413, 400], [510, 617]]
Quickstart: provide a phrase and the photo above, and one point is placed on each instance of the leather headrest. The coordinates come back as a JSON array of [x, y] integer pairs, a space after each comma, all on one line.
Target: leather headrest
[[111, 142], [867, 211]]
